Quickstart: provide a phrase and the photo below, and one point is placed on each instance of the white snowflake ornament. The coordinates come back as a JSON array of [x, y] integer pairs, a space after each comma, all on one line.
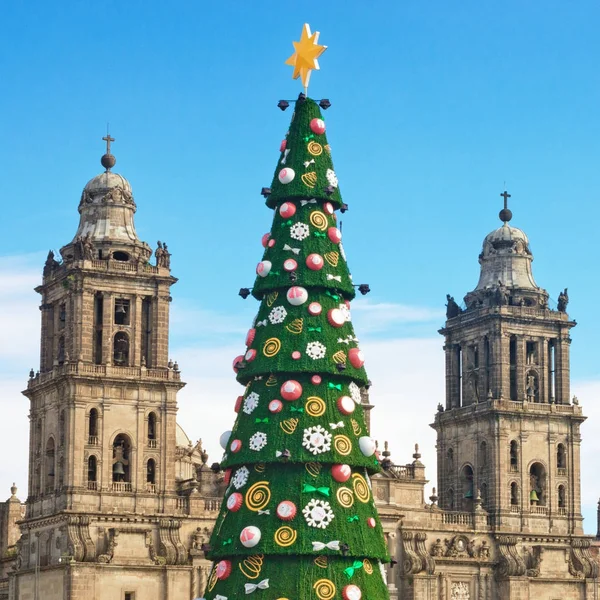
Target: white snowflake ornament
[[299, 231], [317, 440], [277, 315], [346, 312], [315, 350], [258, 441], [318, 513], [251, 402], [354, 392], [331, 178], [240, 479]]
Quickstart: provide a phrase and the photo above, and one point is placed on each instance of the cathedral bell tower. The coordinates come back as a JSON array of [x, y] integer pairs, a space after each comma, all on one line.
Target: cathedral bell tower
[[508, 438], [103, 404]]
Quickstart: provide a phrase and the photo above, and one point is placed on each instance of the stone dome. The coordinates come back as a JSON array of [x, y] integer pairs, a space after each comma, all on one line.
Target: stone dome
[[506, 234], [107, 181]]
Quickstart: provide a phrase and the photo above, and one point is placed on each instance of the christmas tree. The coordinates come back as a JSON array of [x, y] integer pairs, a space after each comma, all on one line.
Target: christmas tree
[[298, 520]]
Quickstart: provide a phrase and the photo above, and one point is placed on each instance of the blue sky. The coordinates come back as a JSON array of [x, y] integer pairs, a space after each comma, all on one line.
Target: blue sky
[[435, 106]]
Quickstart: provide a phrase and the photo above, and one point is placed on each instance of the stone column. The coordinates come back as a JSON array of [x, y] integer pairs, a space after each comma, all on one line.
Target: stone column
[[562, 377], [136, 332], [107, 328], [520, 367]]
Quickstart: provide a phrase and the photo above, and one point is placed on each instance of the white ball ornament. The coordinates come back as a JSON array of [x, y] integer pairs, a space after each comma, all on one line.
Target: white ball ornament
[[286, 175], [224, 439], [250, 536], [263, 268], [366, 445], [351, 592], [297, 295]]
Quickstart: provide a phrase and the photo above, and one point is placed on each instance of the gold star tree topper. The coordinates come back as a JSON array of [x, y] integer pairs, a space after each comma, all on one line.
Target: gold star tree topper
[[304, 60]]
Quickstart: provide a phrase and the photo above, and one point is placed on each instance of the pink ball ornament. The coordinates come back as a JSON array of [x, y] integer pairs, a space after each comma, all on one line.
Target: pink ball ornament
[[236, 446], [316, 379], [275, 406], [238, 404], [263, 268], [271, 243], [336, 317], [236, 360], [265, 240], [314, 309], [297, 295], [223, 569], [286, 510], [328, 208], [235, 501], [371, 522], [289, 264], [351, 592], [314, 262], [286, 175], [356, 357], [317, 126], [250, 355], [291, 390], [296, 355], [282, 146], [250, 336], [334, 234], [346, 405], [250, 536], [287, 210], [341, 473]]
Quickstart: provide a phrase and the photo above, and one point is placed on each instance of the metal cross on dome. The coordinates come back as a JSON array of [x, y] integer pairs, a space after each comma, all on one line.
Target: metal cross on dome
[[108, 140], [506, 196]]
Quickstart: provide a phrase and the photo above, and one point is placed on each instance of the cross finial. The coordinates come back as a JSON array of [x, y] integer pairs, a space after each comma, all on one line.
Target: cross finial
[[109, 139], [108, 160], [505, 213]]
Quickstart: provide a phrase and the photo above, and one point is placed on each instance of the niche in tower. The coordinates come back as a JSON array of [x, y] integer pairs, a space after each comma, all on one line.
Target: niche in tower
[[122, 311], [50, 470], [466, 481], [92, 472], [121, 349], [121, 468], [537, 484], [533, 386]]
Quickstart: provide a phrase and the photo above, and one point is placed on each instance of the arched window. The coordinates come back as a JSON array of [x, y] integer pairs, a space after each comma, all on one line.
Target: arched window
[[93, 427], [60, 354], [50, 466], [92, 472], [151, 471], [537, 484], [484, 494], [466, 478], [561, 457], [532, 387], [121, 349], [514, 456], [514, 494], [152, 430], [450, 499], [121, 468], [483, 458], [450, 460], [562, 501]]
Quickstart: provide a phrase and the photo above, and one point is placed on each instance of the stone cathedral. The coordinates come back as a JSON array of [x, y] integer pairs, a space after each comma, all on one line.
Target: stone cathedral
[[120, 503]]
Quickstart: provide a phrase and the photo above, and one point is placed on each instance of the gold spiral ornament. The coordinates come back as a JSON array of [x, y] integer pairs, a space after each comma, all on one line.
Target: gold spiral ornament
[[356, 428], [295, 326], [313, 468], [315, 148], [309, 179], [324, 589], [271, 297], [339, 357], [321, 562], [212, 580], [361, 488], [328, 148], [271, 381], [342, 444], [260, 467], [289, 425], [252, 566], [271, 347], [258, 496], [345, 497], [319, 220], [332, 258], [315, 406], [285, 536], [367, 566]]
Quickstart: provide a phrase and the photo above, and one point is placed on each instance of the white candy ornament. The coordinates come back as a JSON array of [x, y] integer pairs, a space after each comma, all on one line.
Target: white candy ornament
[[366, 445], [351, 592], [250, 536], [346, 405], [336, 317], [224, 439], [263, 268], [286, 175], [297, 295], [290, 265]]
